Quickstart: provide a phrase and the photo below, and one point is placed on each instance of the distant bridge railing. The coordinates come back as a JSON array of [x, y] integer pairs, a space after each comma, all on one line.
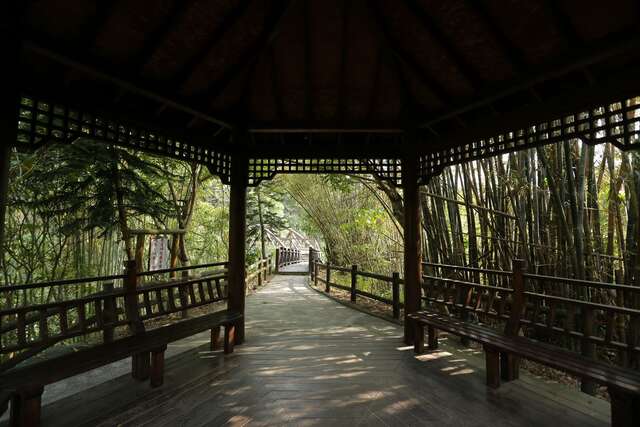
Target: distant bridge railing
[[287, 256]]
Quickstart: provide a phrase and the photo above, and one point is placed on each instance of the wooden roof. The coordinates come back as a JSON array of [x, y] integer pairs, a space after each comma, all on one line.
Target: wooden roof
[[447, 69]]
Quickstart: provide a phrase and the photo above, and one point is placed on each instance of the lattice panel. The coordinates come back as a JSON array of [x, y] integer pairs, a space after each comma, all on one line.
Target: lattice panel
[[40, 122], [388, 169], [617, 123]]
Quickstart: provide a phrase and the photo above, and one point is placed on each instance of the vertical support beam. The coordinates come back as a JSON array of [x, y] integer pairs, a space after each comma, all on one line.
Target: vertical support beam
[[237, 238], [10, 46], [412, 243]]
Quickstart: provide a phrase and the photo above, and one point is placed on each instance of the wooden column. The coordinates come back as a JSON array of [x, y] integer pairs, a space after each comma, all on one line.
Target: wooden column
[[237, 239], [412, 243], [10, 35]]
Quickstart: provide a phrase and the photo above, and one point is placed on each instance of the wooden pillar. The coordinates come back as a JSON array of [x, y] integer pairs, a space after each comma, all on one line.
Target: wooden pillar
[[412, 243], [237, 239], [10, 45]]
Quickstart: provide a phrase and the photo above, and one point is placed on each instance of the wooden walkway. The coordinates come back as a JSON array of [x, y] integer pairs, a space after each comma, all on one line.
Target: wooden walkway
[[299, 268], [311, 361]]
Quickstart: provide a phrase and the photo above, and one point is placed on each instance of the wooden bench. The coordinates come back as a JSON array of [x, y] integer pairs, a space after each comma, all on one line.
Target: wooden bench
[[23, 376], [26, 382], [503, 350]]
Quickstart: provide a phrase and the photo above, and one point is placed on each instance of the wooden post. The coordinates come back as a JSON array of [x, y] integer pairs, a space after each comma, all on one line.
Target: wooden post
[[311, 255], [10, 45], [510, 364], [237, 240], [26, 406], [327, 286], [316, 270], [395, 289], [354, 282], [157, 366], [277, 260], [139, 361], [412, 243], [109, 312]]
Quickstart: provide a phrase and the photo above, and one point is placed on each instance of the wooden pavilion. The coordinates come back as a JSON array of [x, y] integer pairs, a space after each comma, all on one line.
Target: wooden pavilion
[[252, 89]]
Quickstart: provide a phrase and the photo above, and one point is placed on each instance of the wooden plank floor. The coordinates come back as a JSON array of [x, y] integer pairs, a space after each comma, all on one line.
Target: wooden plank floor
[[311, 361]]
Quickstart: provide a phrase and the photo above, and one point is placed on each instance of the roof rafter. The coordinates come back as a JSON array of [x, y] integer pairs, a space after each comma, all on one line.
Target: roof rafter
[[229, 20], [442, 39], [346, 8], [390, 45], [157, 37], [270, 31], [511, 52], [102, 72], [308, 63], [275, 87], [615, 45]]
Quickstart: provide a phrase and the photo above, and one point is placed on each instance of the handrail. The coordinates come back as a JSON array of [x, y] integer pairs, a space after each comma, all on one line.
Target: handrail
[[79, 280]]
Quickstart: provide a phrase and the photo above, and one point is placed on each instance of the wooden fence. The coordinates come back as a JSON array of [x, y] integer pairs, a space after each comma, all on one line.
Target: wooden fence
[[392, 281]]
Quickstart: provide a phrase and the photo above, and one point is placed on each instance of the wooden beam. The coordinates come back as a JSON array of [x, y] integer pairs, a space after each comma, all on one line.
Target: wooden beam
[[412, 242], [237, 234], [102, 72], [270, 31], [615, 45], [342, 84], [460, 62], [183, 74]]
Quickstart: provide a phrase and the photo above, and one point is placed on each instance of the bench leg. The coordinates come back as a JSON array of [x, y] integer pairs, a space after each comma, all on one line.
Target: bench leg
[[215, 338], [140, 366], [433, 337], [229, 338], [418, 338], [492, 360], [625, 409], [157, 366], [25, 407], [509, 367]]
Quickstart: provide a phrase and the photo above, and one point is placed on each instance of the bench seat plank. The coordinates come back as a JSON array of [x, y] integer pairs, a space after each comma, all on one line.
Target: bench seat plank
[[56, 369], [549, 355]]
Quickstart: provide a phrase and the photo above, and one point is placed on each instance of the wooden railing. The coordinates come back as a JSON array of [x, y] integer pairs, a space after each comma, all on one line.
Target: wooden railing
[[286, 256], [259, 271], [593, 318], [393, 282], [110, 302]]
